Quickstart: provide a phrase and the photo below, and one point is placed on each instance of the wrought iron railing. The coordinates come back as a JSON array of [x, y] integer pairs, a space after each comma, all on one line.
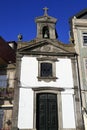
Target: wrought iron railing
[[6, 93]]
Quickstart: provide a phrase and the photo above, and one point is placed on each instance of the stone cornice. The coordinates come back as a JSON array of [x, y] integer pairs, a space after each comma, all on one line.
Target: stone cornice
[[80, 22]]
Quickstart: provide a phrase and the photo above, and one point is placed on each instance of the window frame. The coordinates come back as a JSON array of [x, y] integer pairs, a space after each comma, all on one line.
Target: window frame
[[85, 65], [47, 78]]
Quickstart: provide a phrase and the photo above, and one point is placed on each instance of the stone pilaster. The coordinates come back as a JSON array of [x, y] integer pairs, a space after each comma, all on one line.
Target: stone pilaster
[[60, 120], [16, 94], [77, 95]]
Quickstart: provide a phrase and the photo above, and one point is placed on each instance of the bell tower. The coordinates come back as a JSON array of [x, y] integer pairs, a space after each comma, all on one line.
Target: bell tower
[[46, 26]]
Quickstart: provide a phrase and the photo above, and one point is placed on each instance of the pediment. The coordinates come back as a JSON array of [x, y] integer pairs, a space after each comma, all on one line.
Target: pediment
[[45, 47], [49, 48]]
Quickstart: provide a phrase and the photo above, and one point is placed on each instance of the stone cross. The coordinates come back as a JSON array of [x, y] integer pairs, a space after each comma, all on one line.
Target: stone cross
[[45, 10]]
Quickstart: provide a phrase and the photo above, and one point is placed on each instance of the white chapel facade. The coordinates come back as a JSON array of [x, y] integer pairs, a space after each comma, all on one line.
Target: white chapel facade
[[47, 85]]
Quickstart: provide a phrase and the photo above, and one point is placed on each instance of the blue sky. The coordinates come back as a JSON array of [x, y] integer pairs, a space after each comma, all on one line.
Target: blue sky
[[18, 16]]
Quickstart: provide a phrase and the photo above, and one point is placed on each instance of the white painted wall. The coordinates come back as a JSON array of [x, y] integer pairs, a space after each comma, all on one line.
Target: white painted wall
[[68, 111], [29, 73], [28, 79], [25, 117]]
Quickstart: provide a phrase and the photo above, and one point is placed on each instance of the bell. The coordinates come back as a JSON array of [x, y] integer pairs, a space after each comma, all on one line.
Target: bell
[[45, 35]]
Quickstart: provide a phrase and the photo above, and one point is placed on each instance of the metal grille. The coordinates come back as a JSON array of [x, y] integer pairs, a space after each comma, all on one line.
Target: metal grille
[[46, 70]]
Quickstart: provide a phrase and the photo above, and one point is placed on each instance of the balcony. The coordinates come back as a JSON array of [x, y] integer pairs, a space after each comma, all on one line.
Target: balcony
[[6, 93]]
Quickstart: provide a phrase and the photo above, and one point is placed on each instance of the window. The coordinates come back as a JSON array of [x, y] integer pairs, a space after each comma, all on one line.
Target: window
[[86, 68], [1, 118], [86, 63], [3, 81], [47, 69], [85, 39], [3, 85]]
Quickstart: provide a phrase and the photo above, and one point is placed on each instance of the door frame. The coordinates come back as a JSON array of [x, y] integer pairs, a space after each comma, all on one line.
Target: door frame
[[52, 90]]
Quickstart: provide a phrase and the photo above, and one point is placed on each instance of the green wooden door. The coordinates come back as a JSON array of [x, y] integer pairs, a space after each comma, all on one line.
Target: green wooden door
[[46, 113]]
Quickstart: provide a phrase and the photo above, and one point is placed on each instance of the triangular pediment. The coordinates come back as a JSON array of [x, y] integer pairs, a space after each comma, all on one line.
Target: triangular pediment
[[49, 48], [46, 46]]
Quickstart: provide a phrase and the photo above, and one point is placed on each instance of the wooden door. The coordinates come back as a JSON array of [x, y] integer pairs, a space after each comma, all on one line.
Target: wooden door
[[46, 113]]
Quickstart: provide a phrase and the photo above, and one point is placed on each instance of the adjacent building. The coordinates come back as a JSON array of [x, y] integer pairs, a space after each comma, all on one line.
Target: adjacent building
[[79, 35], [7, 74]]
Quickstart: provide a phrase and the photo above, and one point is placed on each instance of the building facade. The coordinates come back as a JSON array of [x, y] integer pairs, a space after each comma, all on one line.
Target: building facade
[[79, 34], [47, 92], [7, 74]]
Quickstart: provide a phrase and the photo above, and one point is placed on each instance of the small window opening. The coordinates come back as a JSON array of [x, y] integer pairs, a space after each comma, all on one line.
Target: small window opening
[[45, 32], [46, 70], [85, 39]]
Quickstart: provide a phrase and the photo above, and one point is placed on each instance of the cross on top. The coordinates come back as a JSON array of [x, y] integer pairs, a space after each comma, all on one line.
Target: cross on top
[[45, 10]]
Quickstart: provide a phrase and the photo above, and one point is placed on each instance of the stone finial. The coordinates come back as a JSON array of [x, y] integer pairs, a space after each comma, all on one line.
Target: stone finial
[[45, 11], [20, 37]]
